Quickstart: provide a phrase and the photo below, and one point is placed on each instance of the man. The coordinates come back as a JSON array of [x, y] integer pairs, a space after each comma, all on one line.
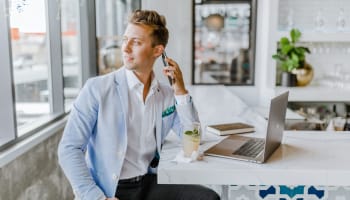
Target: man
[[110, 146]]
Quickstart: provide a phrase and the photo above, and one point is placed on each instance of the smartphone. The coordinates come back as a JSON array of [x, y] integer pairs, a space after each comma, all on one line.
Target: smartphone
[[165, 63]]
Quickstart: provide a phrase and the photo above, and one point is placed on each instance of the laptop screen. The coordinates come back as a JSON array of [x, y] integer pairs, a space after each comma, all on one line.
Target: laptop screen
[[275, 125]]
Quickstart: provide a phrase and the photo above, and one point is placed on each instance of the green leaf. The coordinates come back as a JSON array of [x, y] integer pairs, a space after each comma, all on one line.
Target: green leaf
[[284, 66], [195, 132], [189, 133], [288, 55], [306, 49], [286, 49], [276, 57], [284, 41], [299, 51], [295, 34], [294, 57], [290, 65], [295, 61]]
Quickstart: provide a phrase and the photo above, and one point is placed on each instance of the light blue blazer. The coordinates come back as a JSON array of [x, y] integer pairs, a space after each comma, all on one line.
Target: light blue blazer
[[94, 142]]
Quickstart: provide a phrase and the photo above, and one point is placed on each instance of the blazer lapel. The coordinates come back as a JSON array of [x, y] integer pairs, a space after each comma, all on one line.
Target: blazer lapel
[[158, 110], [122, 88]]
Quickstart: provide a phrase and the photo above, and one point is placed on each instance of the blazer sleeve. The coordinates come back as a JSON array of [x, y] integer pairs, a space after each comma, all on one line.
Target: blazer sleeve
[[72, 147], [186, 112]]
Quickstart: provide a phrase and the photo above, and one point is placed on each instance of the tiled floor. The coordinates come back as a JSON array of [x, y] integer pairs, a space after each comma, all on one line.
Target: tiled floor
[[272, 192]]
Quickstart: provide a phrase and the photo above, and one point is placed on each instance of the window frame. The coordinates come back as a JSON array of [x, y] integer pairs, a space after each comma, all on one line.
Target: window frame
[[88, 68], [55, 81], [7, 100]]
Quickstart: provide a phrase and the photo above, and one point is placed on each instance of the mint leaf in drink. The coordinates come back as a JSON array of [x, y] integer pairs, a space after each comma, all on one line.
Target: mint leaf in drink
[[192, 133], [189, 133], [195, 132]]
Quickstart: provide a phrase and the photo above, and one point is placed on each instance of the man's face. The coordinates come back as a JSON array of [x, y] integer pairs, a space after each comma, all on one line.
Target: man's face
[[138, 53]]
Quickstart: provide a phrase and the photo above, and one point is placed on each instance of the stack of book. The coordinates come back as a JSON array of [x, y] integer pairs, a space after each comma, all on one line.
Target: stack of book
[[230, 128]]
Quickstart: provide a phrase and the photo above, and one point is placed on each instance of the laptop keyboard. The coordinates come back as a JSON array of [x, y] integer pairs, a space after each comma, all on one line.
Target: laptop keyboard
[[251, 148]]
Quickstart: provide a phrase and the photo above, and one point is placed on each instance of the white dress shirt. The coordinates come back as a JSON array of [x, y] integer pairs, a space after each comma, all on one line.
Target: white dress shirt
[[141, 126]]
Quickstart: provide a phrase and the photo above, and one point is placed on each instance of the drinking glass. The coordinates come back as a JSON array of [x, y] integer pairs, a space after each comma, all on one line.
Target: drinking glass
[[341, 22], [339, 123], [191, 138], [320, 21]]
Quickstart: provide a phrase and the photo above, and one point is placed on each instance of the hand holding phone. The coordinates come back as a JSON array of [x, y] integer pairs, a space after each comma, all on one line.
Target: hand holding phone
[[165, 63]]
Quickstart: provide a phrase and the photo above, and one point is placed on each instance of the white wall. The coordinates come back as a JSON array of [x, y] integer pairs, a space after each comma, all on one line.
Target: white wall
[[253, 95], [179, 22]]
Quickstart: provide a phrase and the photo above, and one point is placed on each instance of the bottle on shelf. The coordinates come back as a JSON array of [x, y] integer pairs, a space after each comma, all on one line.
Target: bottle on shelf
[[347, 124]]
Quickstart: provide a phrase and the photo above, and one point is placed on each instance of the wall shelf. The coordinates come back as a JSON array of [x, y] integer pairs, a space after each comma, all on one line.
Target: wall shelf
[[329, 49], [314, 93], [318, 36]]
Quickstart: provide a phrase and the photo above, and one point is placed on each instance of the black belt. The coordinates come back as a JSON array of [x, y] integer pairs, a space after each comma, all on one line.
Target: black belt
[[136, 179]]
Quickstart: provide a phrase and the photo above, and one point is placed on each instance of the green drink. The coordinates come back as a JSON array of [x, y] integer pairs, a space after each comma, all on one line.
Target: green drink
[[191, 138]]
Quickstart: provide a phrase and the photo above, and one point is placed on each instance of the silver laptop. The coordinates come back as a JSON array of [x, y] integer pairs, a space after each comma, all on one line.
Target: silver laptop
[[256, 149]]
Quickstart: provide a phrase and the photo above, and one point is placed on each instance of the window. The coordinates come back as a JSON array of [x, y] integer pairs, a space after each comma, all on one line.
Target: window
[[111, 22], [70, 50], [29, 62], [43, 62]]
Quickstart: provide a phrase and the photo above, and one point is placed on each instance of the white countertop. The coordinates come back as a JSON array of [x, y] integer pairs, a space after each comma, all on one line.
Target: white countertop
[[304, 158]]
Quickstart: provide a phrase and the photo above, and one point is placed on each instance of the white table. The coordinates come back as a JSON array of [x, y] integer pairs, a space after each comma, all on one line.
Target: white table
[[305, 158]]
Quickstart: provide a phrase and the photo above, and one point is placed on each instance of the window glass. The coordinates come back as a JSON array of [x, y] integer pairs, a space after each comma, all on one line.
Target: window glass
[[30, 61], [70, 50], [111, 21]]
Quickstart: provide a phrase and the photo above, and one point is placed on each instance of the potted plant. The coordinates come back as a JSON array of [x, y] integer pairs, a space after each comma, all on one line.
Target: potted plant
[[291, 60]]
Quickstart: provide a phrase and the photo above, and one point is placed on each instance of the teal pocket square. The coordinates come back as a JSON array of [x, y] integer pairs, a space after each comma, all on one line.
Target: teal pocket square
[[168, 111]]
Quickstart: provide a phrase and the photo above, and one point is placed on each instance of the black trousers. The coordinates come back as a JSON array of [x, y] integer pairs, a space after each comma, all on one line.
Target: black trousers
[[148, 189]]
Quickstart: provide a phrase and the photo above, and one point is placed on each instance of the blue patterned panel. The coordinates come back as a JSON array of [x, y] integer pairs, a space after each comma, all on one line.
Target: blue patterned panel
[[291, 192], [283, 192], [313, 191], [269, 191]]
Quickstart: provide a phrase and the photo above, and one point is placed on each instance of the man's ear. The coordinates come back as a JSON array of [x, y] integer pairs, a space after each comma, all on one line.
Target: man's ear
[[158, 50]]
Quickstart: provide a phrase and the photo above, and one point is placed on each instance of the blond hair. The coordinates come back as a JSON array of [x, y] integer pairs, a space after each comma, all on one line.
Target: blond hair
[[160, 33]]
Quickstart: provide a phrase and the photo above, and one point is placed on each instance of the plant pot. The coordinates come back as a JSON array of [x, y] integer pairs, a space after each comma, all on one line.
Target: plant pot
[[288, 79], [304, 74]]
